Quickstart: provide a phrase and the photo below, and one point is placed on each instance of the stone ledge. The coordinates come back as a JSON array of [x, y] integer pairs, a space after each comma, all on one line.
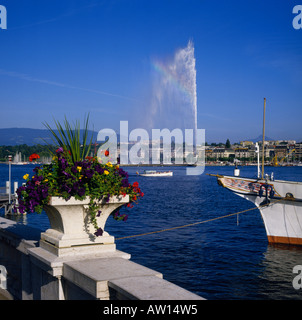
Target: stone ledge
[[93, 275], [22, 231], [150, 288], [54, 264], [129, 279]]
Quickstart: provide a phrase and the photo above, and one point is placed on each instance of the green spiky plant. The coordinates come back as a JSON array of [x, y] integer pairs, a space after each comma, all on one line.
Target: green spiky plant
[[69, 138]]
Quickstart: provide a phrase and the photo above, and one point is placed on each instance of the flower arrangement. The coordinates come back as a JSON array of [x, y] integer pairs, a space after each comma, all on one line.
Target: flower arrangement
[[70, 176]]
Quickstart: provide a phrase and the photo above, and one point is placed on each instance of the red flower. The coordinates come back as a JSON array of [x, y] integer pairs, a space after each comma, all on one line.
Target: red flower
[[33, 156], [106, 153], [135, 184]]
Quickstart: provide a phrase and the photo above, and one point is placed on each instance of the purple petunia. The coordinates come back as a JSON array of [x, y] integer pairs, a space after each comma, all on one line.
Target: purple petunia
[[99, 232], [74, 169], [125, 183], [123, 173], [64, 163], [66, 188], [99, 169], [81, 192], [89, 173]]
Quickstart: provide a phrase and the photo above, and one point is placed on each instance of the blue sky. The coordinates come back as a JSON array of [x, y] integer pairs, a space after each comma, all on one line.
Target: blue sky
[[73, 57]]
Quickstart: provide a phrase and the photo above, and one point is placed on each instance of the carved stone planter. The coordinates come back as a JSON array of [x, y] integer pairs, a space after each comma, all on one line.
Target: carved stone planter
[[71, 231]]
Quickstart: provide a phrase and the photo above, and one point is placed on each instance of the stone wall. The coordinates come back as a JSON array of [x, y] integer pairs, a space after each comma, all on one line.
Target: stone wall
[[36, 274]]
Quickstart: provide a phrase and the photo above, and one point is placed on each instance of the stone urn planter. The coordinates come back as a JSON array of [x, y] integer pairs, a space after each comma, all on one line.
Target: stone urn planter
[[74, 172], [72, 232]]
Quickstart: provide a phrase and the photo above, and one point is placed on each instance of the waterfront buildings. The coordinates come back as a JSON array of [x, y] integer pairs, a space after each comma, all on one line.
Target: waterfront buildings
[[277, 152]]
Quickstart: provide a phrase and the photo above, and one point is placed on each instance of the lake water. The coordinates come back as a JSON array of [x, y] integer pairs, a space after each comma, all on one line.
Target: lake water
[[217, 260]]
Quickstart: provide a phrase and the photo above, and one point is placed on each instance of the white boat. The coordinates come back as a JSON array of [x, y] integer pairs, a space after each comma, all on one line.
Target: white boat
[[153, 173], [279, 201], [20, 163]]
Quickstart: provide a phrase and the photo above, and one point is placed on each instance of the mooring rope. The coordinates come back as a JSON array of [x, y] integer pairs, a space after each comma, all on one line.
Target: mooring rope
[[199, 222]]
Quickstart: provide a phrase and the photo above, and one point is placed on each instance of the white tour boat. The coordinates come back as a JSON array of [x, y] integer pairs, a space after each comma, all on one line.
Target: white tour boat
[[153, 173]]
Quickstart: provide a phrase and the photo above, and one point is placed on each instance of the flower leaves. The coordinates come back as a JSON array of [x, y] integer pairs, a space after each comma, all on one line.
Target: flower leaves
[[69, 138]]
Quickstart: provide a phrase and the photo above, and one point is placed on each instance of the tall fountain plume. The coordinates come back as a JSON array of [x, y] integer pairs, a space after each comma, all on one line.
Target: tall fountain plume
[[174, 97]]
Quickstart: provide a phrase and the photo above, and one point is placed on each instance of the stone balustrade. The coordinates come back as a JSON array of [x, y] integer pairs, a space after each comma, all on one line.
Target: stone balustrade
[[34, 273]]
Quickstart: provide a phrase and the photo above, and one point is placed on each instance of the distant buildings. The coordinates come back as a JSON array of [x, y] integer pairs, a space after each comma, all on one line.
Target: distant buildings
[[276, 152]]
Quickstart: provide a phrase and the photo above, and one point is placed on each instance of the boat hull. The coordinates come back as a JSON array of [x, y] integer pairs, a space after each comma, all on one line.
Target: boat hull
[[279, 202]]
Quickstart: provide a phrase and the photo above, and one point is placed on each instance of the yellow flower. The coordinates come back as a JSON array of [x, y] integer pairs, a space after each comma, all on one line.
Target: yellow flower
[[109, 164], [45, 180], [79, 169], [25, 177], [106, 172]]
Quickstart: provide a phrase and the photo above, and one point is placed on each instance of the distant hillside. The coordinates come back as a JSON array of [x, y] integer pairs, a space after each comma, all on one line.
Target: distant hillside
[[30, 137]]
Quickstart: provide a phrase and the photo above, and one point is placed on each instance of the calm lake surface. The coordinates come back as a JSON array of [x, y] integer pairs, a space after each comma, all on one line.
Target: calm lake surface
[[217, 260]]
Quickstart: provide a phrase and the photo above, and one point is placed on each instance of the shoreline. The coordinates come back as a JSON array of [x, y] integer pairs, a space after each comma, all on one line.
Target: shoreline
[[222, 164]]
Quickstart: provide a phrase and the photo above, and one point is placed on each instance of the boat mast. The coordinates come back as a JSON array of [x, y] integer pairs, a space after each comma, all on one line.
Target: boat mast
[[263, 138]]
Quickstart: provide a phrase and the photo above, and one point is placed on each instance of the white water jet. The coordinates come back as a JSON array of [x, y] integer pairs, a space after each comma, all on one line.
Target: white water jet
[[174, 97]]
